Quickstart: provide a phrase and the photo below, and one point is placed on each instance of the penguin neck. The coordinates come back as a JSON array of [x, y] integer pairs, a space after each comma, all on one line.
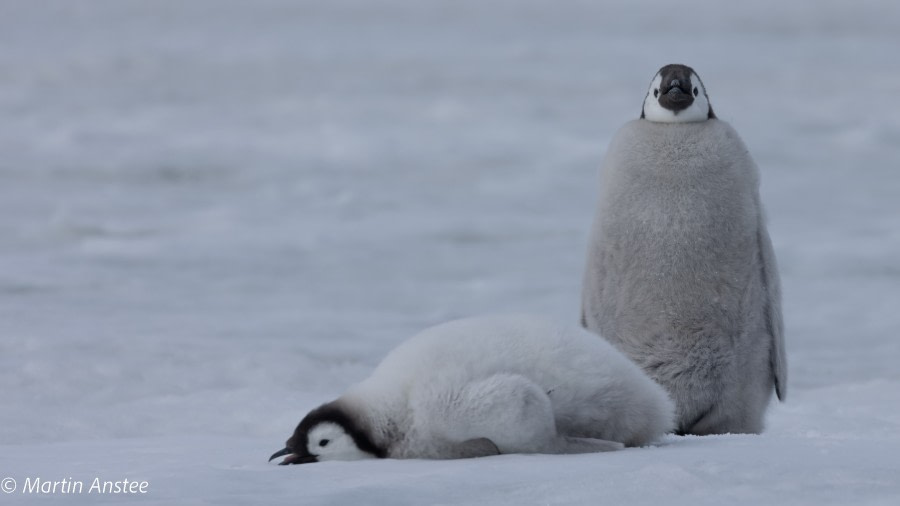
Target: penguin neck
[[680, 124], [686, 135], [382, 417]]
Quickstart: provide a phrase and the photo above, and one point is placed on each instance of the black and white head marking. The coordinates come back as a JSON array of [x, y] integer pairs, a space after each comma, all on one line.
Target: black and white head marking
[[677, 95], [328, 432]]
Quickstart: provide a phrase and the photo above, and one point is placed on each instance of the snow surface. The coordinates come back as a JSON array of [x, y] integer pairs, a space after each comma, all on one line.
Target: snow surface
[[215, 215]]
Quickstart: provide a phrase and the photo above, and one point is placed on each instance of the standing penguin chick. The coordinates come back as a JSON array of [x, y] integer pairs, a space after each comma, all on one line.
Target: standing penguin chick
[[681, 274], [483, 386]]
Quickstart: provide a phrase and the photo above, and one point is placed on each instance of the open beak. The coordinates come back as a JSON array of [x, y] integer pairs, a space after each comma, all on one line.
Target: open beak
[[292, 458]]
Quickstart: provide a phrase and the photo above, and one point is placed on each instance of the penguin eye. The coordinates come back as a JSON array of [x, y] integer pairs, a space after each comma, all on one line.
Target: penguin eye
[[696, 91], [656, 92], [324, 442]]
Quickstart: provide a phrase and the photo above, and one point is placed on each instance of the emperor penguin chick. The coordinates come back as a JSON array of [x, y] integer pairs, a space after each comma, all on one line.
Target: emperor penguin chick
[[681, 273], [485, 386]]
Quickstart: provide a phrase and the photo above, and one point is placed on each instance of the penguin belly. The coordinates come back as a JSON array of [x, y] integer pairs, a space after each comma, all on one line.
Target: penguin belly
[[674, 277]]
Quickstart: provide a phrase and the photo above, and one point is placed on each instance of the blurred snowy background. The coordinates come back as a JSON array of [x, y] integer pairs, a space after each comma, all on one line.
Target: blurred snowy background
[[215, 215]]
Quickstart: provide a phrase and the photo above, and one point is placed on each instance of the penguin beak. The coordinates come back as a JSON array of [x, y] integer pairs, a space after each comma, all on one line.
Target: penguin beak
[[676, 95], [675, 91], [292, 458]]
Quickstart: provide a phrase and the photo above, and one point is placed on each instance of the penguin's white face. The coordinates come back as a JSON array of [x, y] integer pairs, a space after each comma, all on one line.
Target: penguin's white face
[[329, 441], [676, 95]]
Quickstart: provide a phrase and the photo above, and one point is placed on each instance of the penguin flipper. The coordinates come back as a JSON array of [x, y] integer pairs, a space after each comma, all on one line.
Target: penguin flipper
[[509, 411], [774, 320], [473, 448], [570, 445]]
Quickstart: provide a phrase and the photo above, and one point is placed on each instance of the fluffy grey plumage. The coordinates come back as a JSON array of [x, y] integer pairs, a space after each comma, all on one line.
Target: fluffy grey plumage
[[489, 385], [681, 274]]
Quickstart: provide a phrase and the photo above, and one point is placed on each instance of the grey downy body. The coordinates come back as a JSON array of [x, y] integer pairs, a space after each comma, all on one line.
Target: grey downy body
[[681, 273]]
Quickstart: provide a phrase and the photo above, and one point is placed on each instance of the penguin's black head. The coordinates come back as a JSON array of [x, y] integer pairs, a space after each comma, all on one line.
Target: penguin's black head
[[328, 432], [677, 95]]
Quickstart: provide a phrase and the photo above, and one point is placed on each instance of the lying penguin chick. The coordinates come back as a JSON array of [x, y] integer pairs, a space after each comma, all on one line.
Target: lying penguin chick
[[485, 386], [681, 274]]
